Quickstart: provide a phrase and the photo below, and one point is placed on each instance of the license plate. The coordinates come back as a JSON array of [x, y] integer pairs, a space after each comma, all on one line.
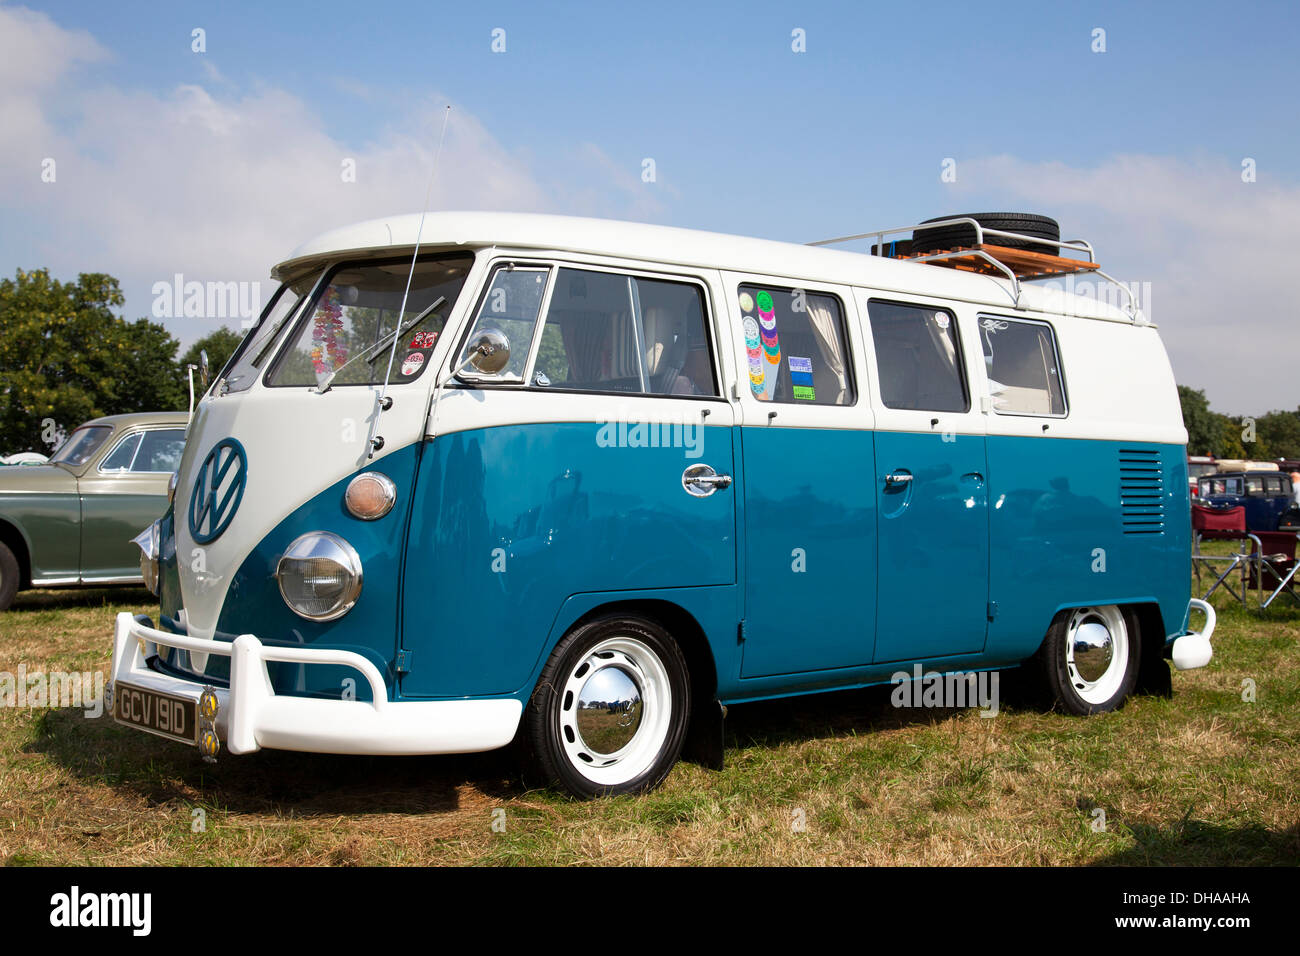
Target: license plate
[[175, 718]]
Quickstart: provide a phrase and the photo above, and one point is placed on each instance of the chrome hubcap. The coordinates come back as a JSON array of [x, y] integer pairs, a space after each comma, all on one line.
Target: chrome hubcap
[[615, 711], [1096, 652], [609, 710], [1093, 650]]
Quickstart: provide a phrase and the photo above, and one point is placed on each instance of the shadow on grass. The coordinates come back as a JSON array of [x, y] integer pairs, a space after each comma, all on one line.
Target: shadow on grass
[[1191, 842], [62, 599], [270, 781]]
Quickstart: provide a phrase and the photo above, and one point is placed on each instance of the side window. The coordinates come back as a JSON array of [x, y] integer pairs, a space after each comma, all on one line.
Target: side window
[[918, 358], [796, 346], [120, 458], [1024, 371], [160, 450], [609, 332], [1254, 486], [511, 306]]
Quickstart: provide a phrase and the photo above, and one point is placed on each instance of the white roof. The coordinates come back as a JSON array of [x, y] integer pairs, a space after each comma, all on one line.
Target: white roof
[[683, 247]]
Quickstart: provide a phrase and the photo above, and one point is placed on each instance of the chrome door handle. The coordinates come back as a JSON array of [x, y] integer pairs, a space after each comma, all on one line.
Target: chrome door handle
[[702, 481], [897, 478]]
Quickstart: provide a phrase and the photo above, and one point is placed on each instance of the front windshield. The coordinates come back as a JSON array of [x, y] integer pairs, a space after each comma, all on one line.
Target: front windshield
[[347, 336], [82, 445], [253, 352]]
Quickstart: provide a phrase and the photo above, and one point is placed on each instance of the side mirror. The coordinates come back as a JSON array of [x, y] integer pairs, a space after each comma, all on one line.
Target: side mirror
[[489, 352]]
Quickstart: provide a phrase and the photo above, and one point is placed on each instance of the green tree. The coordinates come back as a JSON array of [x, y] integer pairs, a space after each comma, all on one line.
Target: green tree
[[1205, 429], [1280, 431], [219, 345], [65, 358]]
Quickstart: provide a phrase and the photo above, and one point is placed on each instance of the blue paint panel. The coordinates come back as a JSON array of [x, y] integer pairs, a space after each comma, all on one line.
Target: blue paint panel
[[1056, 520], [810, 504], [562, 513], [934, 541]]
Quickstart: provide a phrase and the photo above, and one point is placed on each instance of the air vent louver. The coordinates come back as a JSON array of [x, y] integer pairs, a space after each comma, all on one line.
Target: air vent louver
[[1141, 491]]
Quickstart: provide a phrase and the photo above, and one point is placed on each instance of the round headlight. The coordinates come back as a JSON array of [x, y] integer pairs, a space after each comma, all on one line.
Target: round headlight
[[370, 495], [320, 576]]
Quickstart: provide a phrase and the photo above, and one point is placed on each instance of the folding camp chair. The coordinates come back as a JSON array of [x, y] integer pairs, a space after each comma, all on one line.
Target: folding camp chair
[[1274, 565], [1223, 524]]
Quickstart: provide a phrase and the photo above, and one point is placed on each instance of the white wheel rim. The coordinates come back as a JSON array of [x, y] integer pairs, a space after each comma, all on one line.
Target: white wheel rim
[[617, 661], [1096, 674]]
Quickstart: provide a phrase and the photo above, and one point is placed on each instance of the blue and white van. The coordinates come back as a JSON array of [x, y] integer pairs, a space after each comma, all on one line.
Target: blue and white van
[[607, 477]]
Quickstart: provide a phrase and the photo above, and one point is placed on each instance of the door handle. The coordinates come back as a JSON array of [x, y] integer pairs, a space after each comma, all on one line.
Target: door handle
[[702, 481], [898, 478]]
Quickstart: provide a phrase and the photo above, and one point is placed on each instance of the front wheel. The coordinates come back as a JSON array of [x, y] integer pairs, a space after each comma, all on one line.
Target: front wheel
[[1090, 658], [610, 711]]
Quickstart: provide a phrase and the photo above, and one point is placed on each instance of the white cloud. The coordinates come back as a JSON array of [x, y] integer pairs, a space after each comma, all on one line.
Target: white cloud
[[1216, 251], [219, 185]]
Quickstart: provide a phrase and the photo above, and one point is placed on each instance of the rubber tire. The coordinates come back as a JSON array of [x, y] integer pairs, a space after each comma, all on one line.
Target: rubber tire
[[8, 577], [544, 756], [1048, 666], [948, 237]]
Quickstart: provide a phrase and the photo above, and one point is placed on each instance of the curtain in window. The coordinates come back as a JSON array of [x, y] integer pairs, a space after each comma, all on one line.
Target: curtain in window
[[826, 328]]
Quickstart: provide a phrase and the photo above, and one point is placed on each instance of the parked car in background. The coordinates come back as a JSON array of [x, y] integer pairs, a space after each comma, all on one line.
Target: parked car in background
[[69, 523], [1266, 495], [24, 458], [1197, 467]]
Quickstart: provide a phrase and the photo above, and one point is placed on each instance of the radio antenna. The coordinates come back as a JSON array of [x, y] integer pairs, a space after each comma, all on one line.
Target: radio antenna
[[375, 442]]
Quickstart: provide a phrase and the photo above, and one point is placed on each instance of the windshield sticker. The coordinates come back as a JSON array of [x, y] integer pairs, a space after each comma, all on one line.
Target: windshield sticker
[[423, 340], [412, 363]]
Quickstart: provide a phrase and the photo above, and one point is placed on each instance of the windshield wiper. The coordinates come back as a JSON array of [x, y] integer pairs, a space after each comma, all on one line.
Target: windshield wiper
[[379, 346]]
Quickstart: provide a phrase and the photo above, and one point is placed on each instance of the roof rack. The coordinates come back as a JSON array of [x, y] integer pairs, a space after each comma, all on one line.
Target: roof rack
[[992, 259]]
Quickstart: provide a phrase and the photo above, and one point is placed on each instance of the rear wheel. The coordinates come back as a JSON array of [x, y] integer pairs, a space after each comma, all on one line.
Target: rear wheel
[[8, 577], [610, 711], [1089, 659]]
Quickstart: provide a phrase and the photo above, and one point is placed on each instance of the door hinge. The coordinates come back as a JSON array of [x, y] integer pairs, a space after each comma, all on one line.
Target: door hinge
[[402, 664], [992, 610], [740, 633]]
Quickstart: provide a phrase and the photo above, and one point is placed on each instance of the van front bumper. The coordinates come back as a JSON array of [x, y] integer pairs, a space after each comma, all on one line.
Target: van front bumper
[[250, 715]]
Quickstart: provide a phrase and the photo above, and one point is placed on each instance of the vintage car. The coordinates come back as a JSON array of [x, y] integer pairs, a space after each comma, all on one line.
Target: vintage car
[[70, 523], [1266, 495]]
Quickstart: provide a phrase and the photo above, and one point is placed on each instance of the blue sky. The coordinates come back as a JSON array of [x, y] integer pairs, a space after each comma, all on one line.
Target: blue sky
[[208, 159]]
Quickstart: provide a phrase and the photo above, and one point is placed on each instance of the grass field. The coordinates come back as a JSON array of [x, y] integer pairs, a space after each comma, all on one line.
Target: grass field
[[1203, 778]]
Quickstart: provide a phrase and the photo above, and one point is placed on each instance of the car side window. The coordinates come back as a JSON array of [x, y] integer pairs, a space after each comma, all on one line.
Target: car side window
[[160, 450], [511, 306], [796, 346], [918, 357], [1024, 370], [612, 332], [120, 458]]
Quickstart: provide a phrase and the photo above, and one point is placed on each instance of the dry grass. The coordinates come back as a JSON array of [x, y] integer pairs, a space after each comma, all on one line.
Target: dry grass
[[1202, 778]]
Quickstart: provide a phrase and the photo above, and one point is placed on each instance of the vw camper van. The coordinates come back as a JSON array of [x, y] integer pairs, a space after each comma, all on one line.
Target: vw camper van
[[483, 478]]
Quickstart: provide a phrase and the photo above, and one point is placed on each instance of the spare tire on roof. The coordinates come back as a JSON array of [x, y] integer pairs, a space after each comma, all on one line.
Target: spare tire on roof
[[963, 234]]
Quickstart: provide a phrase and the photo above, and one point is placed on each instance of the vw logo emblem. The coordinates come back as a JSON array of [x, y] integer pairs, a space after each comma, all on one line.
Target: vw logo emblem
[[218, 489]]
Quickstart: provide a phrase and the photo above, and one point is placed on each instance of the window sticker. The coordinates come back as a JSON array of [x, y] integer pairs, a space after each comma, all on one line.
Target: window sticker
[[801, 378], [754, 353], [412, 363], [941, 320], [423, 340], [771, 344], [746, 302]]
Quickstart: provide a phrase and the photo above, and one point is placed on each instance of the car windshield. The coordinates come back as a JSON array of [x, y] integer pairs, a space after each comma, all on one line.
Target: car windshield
[[82, 445], [347, 335], [242, 370]]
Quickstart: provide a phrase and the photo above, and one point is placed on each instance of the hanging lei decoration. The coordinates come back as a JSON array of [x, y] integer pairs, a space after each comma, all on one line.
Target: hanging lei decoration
[[326, 353]]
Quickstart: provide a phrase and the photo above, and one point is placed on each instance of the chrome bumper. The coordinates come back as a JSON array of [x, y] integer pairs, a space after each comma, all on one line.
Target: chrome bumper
[[250, 715]]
